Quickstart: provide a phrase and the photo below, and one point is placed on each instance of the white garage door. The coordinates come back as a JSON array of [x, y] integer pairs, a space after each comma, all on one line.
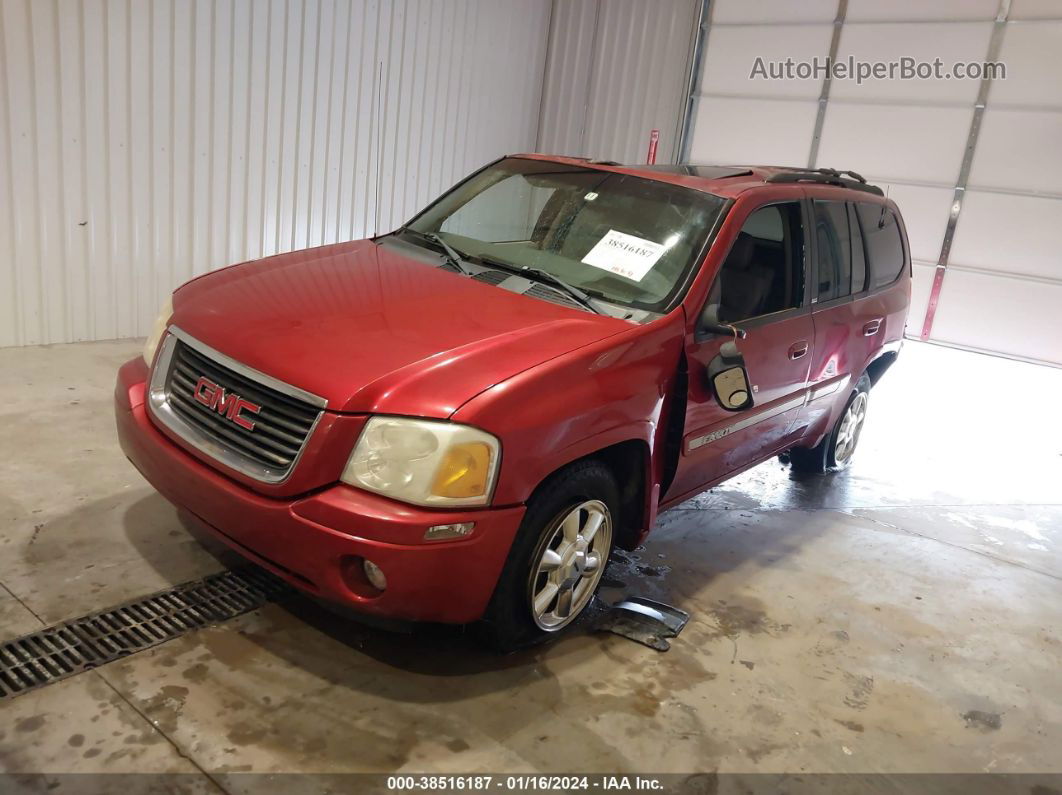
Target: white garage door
[[1001, 282]]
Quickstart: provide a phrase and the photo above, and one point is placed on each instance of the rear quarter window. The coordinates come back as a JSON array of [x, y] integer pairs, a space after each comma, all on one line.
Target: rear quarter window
[[884, 246]]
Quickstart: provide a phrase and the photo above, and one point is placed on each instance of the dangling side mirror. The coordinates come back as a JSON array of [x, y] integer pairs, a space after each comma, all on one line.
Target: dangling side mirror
[[730, 379]]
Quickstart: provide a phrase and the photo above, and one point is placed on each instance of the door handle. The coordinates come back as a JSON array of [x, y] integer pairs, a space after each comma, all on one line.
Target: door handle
[[798, 349], [871, 328]]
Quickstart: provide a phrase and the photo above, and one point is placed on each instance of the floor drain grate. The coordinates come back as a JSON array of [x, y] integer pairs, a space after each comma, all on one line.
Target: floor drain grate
[[63, 650]]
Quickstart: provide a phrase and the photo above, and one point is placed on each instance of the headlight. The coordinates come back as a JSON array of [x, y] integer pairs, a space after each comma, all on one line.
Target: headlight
[[163, 320], [424, 462]]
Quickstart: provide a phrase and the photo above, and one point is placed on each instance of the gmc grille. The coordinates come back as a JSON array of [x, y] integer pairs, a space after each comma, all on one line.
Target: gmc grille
[[267, 451]]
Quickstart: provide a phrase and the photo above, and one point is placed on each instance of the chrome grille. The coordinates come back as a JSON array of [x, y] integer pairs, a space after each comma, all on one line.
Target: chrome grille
[[281, 427]]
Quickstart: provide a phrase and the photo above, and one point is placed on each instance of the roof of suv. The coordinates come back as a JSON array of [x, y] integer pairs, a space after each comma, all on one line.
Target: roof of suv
[[726, 181]]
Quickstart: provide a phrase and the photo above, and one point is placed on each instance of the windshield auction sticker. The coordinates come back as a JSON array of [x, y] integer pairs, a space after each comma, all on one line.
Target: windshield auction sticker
[[625, 255]]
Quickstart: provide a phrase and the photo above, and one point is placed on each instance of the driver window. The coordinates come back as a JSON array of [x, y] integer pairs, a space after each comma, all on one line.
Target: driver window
[[764, 271]]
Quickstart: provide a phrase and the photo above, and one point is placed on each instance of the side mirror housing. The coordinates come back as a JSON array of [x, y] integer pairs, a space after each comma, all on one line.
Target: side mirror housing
[[730, 379], [709, 323]]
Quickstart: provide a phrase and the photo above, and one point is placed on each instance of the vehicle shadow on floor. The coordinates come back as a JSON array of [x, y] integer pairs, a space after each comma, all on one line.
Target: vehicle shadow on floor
[[304, 632]]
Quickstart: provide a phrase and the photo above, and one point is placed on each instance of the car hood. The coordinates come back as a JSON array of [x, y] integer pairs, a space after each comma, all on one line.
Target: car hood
[[371, 330]]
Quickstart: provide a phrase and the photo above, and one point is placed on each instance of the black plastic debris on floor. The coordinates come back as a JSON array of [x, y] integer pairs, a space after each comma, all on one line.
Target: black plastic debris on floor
[[643, 620], [56, 652]]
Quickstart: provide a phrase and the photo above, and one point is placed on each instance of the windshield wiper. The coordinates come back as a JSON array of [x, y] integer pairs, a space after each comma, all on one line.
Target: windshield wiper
[[455, 258], [451, 255], [537, 274]]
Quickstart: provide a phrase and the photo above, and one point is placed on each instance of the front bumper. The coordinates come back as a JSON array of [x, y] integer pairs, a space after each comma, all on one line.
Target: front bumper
[[317, 541]]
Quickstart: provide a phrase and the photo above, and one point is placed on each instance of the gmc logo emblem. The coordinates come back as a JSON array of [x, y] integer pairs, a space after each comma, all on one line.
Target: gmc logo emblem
[[228, 405]]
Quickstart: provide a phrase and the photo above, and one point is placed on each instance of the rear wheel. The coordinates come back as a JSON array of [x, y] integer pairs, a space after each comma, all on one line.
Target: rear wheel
[[836, 449], [848, 429], [558, 557]]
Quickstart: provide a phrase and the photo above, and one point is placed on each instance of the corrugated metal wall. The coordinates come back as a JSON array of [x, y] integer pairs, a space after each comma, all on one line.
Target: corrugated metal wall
[[143, 142], [617, 70]]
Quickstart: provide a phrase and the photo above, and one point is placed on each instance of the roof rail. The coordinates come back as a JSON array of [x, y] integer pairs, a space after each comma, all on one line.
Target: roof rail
[[827, 176]]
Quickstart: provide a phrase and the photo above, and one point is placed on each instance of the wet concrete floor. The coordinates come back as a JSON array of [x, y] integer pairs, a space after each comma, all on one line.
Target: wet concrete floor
[[903, 616]]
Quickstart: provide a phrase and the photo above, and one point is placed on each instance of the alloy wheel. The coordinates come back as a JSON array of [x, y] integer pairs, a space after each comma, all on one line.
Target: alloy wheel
[[569, 565], [849, 429]]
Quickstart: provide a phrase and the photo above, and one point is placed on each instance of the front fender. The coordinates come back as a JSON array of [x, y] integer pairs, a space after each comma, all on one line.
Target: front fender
[[567, 408]]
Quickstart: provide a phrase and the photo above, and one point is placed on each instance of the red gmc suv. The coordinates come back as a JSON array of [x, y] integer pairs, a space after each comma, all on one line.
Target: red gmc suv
[[458, 421]]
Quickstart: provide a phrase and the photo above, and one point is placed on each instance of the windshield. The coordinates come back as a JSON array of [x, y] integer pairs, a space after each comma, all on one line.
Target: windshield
[[616, 237]]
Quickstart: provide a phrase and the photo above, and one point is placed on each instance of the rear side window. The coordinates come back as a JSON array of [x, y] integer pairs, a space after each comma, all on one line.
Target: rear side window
[[833, 244], [881, 233]]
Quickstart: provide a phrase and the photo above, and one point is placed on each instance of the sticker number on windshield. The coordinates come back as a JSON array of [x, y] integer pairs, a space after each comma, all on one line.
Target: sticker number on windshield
[[625, 255]]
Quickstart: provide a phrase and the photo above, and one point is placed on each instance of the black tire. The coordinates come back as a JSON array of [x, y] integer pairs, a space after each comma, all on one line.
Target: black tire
[[823, 456], [509, 622]]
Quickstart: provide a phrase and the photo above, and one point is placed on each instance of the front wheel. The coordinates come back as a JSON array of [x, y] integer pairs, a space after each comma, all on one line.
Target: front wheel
[[559, 555], [568, 563], [836, 449]]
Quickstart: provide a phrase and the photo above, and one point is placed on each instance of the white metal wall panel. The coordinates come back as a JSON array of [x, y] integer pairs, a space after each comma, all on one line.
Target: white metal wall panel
[[1011, 315], [628, 61], [902, 143], [1031, 245], [727, 68], [911, 10], [737, 118], [144, 143], [1019, 150], [766, 12], [729, 130], [1034, 76], [566, 90], [1035, 9], [923, 41], [1004, 262], [10, 288]]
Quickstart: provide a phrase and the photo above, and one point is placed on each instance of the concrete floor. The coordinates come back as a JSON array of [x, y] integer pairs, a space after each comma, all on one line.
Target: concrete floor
[[904, 616]]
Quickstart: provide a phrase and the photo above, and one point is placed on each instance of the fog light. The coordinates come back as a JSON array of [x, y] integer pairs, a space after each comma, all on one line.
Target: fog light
[[442, 531], [375, 575]]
